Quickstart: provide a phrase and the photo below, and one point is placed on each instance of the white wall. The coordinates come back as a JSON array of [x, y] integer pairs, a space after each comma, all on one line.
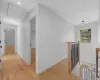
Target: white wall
[[99, 36], [87, 50], [3, 7], [51, 34], [23, 42], [99, 27]]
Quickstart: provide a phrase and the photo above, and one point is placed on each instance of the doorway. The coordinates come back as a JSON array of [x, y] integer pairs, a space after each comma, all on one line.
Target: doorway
[[9, 41], [12, 63], [33, 42], [9, 38]]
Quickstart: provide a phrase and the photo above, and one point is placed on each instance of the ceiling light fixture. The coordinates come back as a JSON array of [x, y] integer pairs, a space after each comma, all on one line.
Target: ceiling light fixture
[[9, 29], [18, 3], [83, 22]]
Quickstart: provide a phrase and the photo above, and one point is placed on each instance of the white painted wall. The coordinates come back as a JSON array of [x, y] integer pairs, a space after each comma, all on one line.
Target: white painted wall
[[51, 35], [99, 26], [99, 36], [87, 50], [3, 7], [23, 42]]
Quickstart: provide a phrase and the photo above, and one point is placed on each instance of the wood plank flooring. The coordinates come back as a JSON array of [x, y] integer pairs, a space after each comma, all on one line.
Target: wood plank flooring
[[14, 68], [58, 72], [33, 60]]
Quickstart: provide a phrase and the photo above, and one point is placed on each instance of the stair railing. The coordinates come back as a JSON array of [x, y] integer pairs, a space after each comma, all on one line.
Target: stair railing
[[73, 55], [88, 73], [97, 63]]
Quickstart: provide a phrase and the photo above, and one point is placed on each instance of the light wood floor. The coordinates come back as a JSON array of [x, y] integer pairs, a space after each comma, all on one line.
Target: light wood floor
[[33, 59], [58, 72], [14, 68]]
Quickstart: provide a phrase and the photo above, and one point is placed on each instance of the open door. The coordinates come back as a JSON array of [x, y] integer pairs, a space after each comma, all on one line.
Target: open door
[[33, 39]]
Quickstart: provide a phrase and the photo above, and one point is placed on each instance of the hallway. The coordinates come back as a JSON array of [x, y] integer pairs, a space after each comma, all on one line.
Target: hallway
[[58, 72], [14, 68]]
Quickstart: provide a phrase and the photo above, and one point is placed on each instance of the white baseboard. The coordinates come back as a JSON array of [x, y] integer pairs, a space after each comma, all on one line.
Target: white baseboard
[[41, 71]]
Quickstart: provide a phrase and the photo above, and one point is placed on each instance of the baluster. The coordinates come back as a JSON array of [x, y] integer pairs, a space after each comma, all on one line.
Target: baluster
[[89, 74], [83, 73]]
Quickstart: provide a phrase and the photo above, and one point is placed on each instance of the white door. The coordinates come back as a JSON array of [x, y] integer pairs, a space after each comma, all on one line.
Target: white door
[[0, 47], [30, 38], [0, 42], [2, 39]]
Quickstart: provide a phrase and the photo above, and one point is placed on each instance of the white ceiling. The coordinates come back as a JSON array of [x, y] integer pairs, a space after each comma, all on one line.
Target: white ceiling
[[26, 4], [73, 11], [11, 8], [16, 12]]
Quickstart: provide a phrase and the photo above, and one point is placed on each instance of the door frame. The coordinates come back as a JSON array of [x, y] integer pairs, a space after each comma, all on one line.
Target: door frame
[[34, 17], [3, 26]]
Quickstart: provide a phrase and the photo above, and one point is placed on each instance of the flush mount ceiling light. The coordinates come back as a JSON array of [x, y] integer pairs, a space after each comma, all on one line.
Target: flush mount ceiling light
[[83, 22], [15, 1], [8, 29], [18, 3]]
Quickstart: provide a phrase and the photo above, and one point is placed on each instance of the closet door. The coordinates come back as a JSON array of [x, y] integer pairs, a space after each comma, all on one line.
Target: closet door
[[0, 42], [0, 46]]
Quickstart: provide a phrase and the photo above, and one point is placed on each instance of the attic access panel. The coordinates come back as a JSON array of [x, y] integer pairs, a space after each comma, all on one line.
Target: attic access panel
[[16, 12]]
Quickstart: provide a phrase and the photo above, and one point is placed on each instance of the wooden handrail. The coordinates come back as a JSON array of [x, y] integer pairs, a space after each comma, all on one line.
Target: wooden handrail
[[98, 49], [87, 63], [97, 54], [72, 42]]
